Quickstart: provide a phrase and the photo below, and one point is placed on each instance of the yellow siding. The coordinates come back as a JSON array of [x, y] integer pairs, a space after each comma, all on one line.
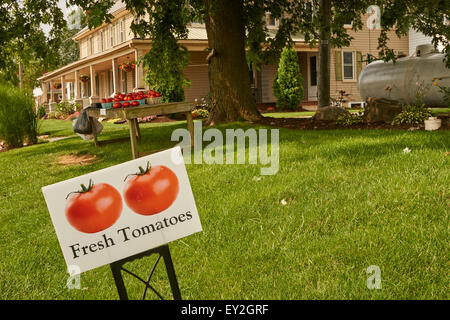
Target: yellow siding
[[365, 41], [197, 72]]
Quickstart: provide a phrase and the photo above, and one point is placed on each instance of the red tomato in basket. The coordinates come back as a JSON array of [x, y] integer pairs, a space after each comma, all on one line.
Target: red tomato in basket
[[103, 100], [117, 105], [134, 103], [126, 104]]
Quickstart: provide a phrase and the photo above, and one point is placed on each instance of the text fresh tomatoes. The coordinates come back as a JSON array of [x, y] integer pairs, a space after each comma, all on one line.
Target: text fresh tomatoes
[[95, 208], [152, 190]]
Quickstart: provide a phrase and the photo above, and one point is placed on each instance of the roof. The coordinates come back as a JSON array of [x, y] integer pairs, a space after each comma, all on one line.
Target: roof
[[197, 33]]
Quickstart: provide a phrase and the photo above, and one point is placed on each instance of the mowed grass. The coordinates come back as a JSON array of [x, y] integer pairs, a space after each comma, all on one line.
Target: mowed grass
[[353, 199]]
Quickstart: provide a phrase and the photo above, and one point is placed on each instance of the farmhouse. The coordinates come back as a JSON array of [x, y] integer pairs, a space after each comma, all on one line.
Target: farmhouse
[[107, 52]]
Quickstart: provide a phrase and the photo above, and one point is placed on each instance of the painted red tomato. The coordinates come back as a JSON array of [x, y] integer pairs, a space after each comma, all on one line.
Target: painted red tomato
[[95, 208], [151, 190]]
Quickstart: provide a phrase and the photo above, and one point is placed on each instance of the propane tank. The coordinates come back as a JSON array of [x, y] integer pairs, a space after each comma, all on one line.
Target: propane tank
[[402, 81]]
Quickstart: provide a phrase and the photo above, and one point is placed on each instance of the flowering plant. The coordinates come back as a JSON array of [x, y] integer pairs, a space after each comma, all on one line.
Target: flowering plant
[[444, 90], [56, 86], [127, 67]]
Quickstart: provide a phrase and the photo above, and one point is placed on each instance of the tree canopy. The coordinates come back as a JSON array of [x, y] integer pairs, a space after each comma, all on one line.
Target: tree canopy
[[23, 41]]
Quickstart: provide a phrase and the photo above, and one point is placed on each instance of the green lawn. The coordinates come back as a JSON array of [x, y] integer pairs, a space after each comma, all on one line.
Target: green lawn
[[354, 199]]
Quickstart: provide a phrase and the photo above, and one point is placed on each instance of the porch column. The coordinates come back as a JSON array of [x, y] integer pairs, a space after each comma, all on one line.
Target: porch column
[[44, 92], [139, 71], [51, 92], [63, 89], [76, 87], [115, 76], [93, 98]]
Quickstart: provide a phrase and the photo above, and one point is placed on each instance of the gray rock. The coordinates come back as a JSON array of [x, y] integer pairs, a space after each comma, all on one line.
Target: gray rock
[[329, 113]]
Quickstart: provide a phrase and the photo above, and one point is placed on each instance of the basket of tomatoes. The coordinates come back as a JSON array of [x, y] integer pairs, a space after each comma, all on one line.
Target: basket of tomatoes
[[132, 99], [153, 97]]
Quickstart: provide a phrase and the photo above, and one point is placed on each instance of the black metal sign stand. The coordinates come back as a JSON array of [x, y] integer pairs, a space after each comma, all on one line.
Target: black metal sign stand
[[163, 252]]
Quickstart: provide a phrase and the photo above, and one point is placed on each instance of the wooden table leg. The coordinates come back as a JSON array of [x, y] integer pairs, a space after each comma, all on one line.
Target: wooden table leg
[[94, 132], [134, 150], [138, 130], [190, 125]]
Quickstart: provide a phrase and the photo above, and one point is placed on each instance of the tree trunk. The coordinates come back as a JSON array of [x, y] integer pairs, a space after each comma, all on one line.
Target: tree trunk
[[229, 79], [324, 53]]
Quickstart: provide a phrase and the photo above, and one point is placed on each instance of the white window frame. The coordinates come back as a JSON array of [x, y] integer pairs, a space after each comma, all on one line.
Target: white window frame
[[101, 41], [122, 30], [91, 46], [111, 37], [353, 66], [276, 22]]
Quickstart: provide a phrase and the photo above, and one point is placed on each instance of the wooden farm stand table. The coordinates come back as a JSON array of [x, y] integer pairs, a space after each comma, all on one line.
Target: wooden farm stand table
[[132, 113]]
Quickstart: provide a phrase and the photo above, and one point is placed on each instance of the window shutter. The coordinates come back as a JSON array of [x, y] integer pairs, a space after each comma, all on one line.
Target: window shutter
[[358, 63], [338, 65]]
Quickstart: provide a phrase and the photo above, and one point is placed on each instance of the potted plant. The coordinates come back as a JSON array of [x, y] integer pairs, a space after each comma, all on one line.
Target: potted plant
[[84, 78], [127, 67], [56, 86]]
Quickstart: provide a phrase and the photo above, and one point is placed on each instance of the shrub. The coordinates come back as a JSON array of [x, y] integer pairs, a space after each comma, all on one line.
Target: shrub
[[200, 113], [66, 108], [288, 82], [18, 123], [41, 112], [348, 119], [412, 115]]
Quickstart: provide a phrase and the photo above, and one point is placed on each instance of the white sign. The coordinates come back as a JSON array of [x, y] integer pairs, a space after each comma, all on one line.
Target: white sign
[[114, 213]]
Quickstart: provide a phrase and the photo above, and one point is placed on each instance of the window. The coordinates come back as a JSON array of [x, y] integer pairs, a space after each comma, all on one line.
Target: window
[[271, 21], [122, 30], [348, 65], [111, 36], [91, 45], [101, 41]]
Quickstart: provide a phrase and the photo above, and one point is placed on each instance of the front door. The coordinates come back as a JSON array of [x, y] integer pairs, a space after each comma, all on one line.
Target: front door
[[312, 76]]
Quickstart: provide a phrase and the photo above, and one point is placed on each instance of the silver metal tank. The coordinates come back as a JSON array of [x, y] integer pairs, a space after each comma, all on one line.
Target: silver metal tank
[[401, 81]]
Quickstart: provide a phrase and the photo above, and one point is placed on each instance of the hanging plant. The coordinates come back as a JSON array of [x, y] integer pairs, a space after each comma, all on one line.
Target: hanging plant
[[56, 86], [84, 78], [127, 67]]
